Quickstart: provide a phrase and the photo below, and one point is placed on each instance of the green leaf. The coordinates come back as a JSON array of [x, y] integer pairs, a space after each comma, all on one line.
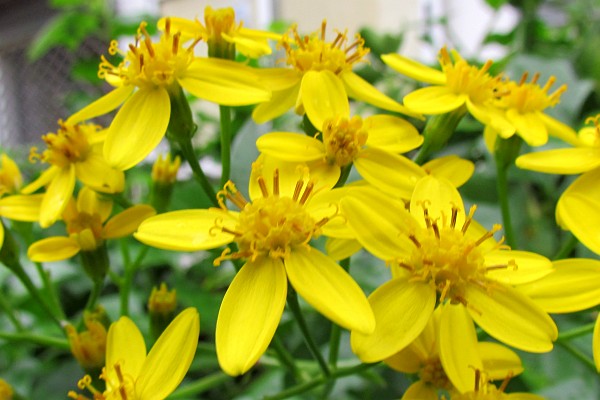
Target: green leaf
[[496, 4]]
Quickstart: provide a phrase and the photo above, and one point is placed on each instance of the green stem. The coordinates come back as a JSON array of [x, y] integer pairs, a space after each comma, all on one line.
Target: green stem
[[126, 282], [567, 247], [438, 131], [37, 339], [94, 294], [576, 332], [579, 355], [304, 387], [200, 386], [188, 153], [285, 358], [10, 313], [51, 292], [292, 300], [502, 189], [225, 114]]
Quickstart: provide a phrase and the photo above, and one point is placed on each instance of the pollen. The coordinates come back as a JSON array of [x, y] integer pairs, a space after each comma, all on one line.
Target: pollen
[[86, 229], [343, 139], [471, 80], [313, 52], [530, 96], [449, 257], [68, 145], [148, 63]]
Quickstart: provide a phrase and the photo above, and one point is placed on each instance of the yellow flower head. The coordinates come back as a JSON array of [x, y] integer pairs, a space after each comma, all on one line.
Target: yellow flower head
[[440, 254], [74, 152], [88, 347], [162, 300], [10, 176], [164, 170], [272, 232], [6, 391], [132, 374]]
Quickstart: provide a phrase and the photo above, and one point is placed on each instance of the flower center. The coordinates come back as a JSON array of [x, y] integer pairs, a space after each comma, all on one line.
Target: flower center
[[447, 258], [68, 145], [314, 53], [464, 78], [147, 63], [219, 21], [433, 373], [343, 139], [86, 229], [119, 386], [271, 225], [527, 97]]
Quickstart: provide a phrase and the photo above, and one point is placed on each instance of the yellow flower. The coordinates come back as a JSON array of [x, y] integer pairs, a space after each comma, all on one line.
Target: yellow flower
[[439, 253], [6, 391], [578, 209], [371, 145], [15, 206], [88, 227], [524, 104], [458, 85], [446, 354], [89, 346], [272, 232], [159, 70], [321, 78], [220, 31], [573, 285], [131, 374], [73, 152], [483, 390]]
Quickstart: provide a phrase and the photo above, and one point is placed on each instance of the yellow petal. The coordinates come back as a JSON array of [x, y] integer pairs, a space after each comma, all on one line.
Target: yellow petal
[[90, 202], [596, 344], [577, 209], [434, 100], [278, 79], [499, 361], [328, 288], [57, 195], [561, 161], [280, 102], [521, 266], [458, 347], [494, 117], [53, 249], [292, 147], [407, 360], [98, 175], [127, 221], [249, 47], [11, 169], [361, 90], [401, 309], [377, 222], [392, 173], [414, 69], [453, 168], [560, 130], [170, 357], [187, 230], [338, 248], [440, 196], [137, 128], [249, 314], [125, 345], [103, 105], [323, 96], [390, 133], [571, 286], [529, 126], [224, 82], [420, 391], [512, 318], [21, 207], [43, 180]]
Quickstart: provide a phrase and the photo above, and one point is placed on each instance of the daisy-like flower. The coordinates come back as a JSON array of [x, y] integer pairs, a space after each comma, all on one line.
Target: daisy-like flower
[[88, 227], [272, 232], [74, 152], [524, 104], [159, 70], [578, 207], [372, 145], [13, 205], [132, 374], [457, 86], [223, 35], [321, 78], [442, 255], [446, 355]]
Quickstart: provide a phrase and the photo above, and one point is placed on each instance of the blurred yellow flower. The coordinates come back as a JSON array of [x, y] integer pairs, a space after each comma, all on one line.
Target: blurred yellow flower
[[6, 391], [272, 232], [131, 374], [159, 70], [439, 253], [578, 208], [321, 78], [89, 346], [88, 227], [73, 152]]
